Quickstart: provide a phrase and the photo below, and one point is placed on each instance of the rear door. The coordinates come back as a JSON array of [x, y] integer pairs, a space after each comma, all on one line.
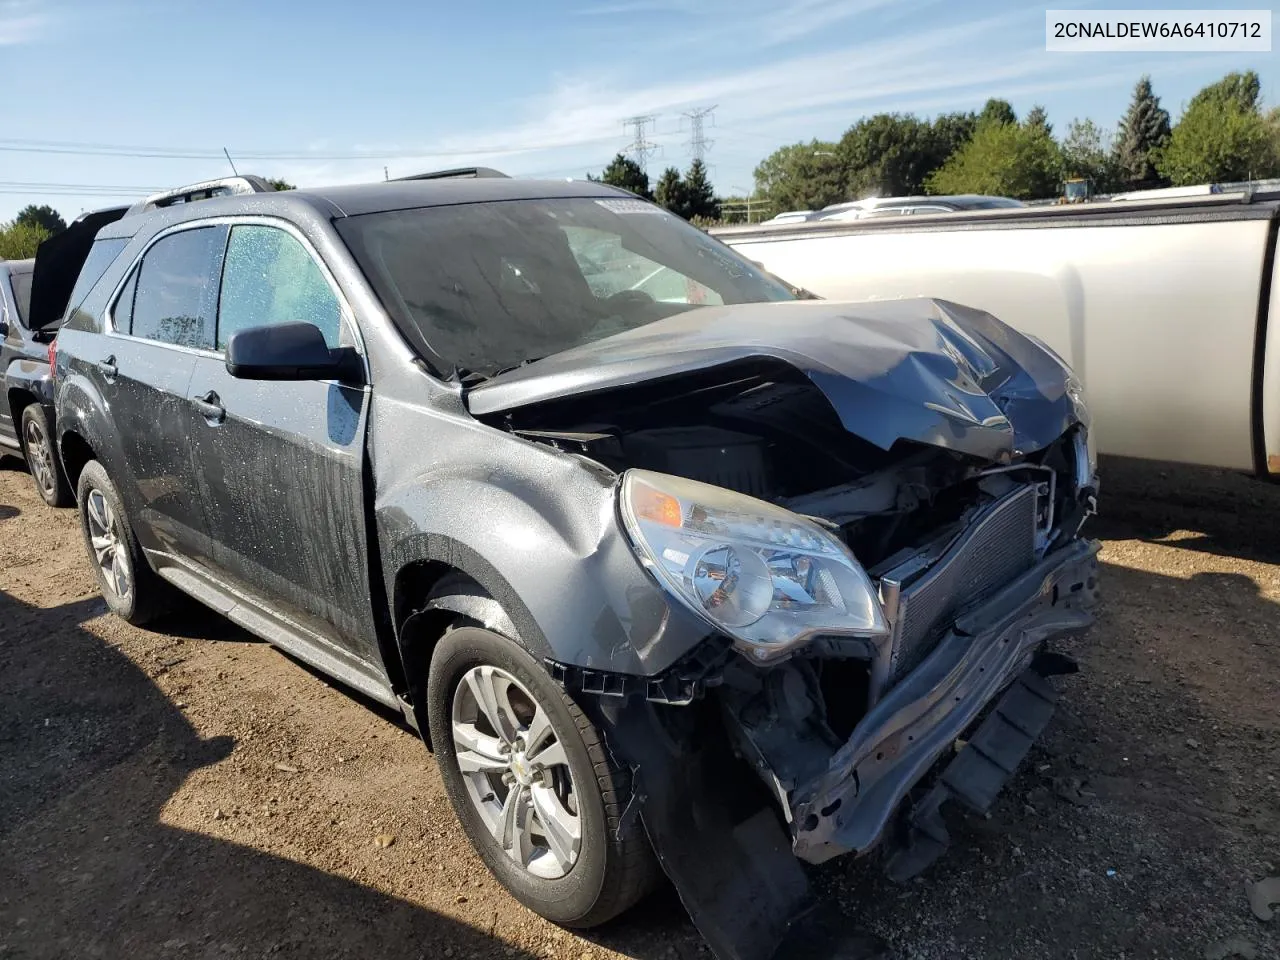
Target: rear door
[[18, 344], [161, 321], [10, 349], [280, 463]]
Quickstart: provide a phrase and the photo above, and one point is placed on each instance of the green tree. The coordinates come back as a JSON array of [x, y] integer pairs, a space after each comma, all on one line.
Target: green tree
[[670, 191], [1143, 133], [1087, 153], [889, 154], [1217, 140], [280, 184], [948, 133], [700, 196], [997, 111], [1273, 128], [624, 172], [42, 216], [1002, 159], [1243, 89], [1038, 119], [18, 241], [802, 176]]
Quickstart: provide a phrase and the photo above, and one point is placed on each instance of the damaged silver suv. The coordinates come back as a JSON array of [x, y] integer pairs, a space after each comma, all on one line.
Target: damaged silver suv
[[676, 571]]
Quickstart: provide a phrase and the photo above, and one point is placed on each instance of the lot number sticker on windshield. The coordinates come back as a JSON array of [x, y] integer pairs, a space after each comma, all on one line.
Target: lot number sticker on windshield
[[630, 206]]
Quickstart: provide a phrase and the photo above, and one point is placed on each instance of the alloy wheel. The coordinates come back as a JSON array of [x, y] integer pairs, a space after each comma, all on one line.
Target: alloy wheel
[[40, 458], [110, 548], [516, 772]]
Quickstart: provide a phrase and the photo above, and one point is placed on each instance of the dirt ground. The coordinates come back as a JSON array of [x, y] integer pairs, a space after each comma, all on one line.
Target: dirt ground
[[192, 793]]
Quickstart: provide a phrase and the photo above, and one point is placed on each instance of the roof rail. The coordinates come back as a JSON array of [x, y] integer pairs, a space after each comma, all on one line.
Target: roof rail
[[457, 174], [224, 187]]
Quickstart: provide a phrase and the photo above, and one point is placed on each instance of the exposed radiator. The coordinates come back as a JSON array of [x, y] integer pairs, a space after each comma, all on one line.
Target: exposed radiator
[[996, 547]]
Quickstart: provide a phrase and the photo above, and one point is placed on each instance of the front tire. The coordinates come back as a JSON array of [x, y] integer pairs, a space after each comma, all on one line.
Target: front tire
[[133, 591], [530, 780], [37, 447]]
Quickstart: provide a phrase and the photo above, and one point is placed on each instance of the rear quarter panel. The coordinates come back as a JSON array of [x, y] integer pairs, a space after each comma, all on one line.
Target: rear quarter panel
[[1270, 394]]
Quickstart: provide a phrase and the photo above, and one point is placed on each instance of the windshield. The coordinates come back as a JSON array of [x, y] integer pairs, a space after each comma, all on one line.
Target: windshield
[[481, 287]]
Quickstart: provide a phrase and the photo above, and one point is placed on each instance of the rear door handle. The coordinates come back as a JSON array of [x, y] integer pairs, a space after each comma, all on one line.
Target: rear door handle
[[108, 367], [210, 407]]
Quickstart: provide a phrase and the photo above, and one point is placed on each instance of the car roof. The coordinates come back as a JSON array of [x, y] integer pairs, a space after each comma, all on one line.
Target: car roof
[[353, 200], [18, 267]]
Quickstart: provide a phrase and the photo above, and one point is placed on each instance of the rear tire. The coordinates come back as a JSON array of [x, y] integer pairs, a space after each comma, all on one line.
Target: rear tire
[[133, 591], [42, 462], [608, 874]]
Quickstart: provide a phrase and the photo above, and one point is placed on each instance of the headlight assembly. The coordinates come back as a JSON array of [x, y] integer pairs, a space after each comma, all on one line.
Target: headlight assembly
[[763, 575]]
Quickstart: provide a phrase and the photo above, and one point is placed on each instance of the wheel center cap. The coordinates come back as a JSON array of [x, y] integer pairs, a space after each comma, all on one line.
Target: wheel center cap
[[520, 767]]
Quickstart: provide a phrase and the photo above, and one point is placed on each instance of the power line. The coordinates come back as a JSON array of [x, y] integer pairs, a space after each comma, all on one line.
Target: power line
[[698, 143], [641, 148], [134, 151], [38, 184]]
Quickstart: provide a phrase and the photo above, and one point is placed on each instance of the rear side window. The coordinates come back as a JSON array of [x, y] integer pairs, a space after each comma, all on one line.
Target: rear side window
[[101, 255], [271, 278], [177, 288], [21, 283]]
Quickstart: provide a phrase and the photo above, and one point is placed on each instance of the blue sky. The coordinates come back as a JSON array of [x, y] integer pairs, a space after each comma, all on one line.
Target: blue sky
[[330, 92]]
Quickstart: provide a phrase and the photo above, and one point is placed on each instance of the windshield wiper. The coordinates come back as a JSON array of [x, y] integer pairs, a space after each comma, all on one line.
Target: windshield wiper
[[468, 377]]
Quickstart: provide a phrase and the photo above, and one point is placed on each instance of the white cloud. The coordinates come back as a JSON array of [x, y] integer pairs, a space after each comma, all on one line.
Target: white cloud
[[628, 7], [800, 18], [577, 123], [21, 21]]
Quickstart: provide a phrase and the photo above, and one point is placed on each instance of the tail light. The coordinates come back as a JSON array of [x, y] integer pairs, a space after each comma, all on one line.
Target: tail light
[[53, 358]]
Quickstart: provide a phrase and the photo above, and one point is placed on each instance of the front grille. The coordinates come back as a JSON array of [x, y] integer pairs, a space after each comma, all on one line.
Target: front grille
[[998, 545]]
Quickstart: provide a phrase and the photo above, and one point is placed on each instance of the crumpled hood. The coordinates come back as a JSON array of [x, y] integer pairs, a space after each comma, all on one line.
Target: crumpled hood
[[926, 370]]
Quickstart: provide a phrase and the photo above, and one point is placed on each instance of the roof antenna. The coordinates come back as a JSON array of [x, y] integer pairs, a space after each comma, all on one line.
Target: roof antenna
[[230, 161]]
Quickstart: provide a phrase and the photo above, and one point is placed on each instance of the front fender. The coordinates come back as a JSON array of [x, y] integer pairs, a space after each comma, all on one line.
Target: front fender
[[538, 530]]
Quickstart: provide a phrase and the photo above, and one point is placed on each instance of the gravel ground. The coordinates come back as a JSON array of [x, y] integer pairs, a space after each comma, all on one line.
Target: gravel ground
[[189, 792]]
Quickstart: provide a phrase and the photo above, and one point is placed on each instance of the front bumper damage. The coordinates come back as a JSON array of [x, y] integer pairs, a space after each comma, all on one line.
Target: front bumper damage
[[735, 857], [847, 808]]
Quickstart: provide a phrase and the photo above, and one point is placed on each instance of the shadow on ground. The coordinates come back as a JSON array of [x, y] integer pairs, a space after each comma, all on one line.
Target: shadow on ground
[[90, 751], [1220, 512]]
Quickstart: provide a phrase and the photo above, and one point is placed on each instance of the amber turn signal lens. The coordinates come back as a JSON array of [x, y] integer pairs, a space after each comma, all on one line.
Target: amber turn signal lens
[[656, 506]]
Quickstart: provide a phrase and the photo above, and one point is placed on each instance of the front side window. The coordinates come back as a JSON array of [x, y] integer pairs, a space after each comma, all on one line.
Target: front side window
[[480, 287], [176, 296], [269, 278]]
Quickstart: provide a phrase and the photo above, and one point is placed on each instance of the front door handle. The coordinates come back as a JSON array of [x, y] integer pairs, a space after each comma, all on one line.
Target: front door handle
[[108, 367], [210, 407]]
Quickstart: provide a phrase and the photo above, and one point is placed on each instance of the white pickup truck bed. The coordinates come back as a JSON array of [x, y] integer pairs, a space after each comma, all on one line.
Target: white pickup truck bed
[[1162, 308]]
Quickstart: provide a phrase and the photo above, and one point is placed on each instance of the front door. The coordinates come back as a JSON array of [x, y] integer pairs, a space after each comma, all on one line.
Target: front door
[[160, 323], [280, 463]]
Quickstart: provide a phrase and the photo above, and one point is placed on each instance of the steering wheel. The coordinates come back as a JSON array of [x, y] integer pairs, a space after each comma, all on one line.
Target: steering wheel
[[637, 297]]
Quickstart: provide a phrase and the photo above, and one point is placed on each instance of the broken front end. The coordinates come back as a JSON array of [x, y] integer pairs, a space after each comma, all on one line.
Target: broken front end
[[845, 684], [884, 546]]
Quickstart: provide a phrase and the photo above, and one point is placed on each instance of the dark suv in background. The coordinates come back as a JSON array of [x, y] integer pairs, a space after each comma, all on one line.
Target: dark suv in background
[[658, 557], [26, 409], [33, 298]]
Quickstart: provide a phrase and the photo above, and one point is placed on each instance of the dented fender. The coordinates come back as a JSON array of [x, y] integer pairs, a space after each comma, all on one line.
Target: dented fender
[[538, 530]]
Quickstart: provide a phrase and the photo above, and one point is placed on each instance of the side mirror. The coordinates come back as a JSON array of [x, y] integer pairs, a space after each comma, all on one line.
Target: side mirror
[[4, 328], [290, 351]]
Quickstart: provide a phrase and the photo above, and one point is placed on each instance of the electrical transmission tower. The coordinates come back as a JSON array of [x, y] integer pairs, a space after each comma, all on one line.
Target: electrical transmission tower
[[641, 147], [698, 142]]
